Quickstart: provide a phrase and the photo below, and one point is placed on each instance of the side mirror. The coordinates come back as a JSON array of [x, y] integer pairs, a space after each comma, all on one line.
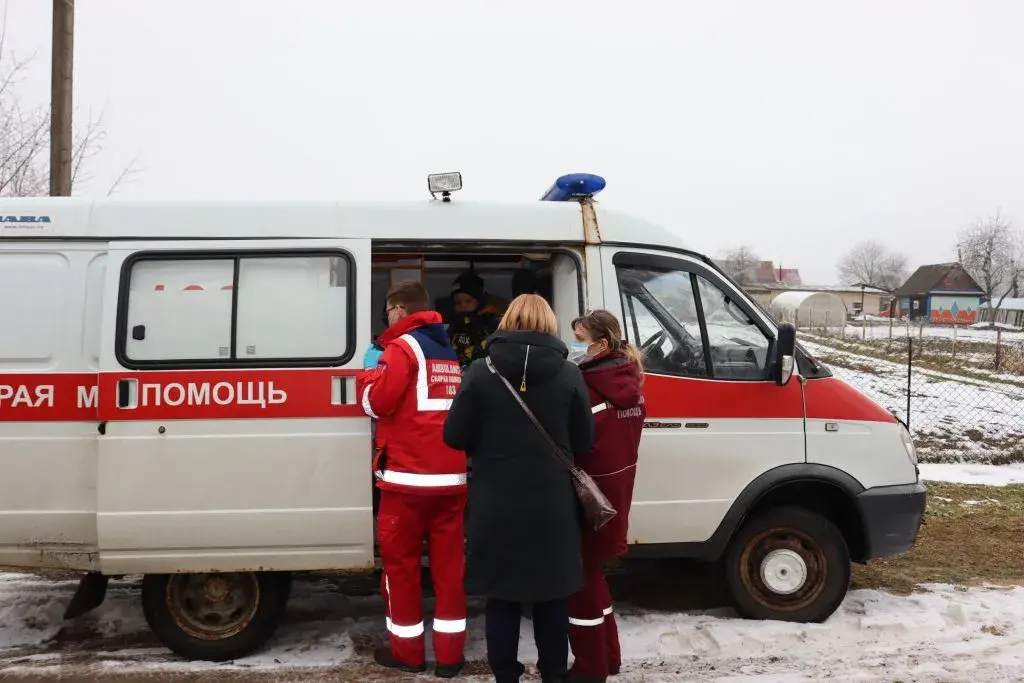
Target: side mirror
[[785, 354]]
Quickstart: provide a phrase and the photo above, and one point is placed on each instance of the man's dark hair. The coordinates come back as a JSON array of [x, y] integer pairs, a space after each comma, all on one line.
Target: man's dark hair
[[412, 296]]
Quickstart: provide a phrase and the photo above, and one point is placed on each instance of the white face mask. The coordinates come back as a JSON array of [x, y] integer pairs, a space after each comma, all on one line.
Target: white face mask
[[578, 352]]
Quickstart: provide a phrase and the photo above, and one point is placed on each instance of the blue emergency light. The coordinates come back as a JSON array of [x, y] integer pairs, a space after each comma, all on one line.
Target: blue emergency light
[[574, 186]]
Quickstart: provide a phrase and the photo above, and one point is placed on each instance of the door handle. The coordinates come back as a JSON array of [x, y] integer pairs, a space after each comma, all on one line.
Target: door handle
[[127, 393], [343, 390], [697, 425]]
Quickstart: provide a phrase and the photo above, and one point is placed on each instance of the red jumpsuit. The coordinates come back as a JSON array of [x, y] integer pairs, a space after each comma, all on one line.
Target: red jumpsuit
[[422, 483], [619, 412]]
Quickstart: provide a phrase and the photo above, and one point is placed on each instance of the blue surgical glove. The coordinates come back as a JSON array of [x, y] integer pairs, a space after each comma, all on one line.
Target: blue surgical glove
[[372, 357]]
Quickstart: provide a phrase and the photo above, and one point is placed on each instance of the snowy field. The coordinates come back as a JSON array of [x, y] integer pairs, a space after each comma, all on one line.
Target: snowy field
[[982, 475], [953, 418], [880, 330], [939, 634]]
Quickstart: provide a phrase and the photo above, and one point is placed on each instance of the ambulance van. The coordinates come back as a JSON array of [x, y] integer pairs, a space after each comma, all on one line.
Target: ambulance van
[[177, 399]]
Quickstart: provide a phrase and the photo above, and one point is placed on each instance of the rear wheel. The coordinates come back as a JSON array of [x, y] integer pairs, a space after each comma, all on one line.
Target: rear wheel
[[215, 617], [788, 564]]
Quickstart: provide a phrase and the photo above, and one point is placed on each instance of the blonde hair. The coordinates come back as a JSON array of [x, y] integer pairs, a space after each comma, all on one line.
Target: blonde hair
[[603, 325], [529, 313]]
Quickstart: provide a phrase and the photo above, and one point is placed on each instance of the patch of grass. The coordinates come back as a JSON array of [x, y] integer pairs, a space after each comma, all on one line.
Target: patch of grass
[[961, 542]]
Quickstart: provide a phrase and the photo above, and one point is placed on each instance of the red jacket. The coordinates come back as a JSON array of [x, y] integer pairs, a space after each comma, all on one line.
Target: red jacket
[[619, 412], [409, 393]]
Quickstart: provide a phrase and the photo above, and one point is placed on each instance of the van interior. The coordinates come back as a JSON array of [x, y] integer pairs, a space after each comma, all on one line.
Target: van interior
[[505, 275], [553, 274]]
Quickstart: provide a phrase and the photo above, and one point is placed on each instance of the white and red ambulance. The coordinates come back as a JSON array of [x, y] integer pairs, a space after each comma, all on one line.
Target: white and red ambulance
[[177, 399]]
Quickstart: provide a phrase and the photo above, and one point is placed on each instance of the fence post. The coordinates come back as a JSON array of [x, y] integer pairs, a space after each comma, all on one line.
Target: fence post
[[910, 374], [891, 316], [954, 341], [999, 348]]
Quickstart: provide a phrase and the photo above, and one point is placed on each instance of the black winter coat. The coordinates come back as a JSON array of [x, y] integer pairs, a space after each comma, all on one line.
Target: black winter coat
[[523, 526]]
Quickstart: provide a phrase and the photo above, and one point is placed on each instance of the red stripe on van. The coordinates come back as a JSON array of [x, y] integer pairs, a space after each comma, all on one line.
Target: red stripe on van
[[300, 393], [827, 399], [46, 397], [228, 395], [194, 288], [175, 395], [678, 397], [834, 399]]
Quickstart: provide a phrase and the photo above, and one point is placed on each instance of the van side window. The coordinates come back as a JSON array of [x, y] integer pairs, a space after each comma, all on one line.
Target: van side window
[[662, 320], [685, 325], [234, 309], [739, 350]]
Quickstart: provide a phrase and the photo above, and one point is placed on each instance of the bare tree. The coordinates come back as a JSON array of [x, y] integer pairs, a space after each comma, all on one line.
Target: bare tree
[[871, 263], [740, 263], [993, 253], [25, 135]]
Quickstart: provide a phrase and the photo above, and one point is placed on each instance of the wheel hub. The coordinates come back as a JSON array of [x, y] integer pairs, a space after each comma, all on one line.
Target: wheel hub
[[783, 571], [217, 590], [212, 606]]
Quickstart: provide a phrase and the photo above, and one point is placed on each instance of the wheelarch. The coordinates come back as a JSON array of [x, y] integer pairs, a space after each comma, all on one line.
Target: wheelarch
[[819, 488]]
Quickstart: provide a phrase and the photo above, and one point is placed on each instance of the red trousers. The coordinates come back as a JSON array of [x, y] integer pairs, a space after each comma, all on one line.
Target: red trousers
[[593, 633], [403, 520]]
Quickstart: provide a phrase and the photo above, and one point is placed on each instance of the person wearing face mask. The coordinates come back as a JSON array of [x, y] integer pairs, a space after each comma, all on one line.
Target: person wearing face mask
[[422, 481], [613, 373]]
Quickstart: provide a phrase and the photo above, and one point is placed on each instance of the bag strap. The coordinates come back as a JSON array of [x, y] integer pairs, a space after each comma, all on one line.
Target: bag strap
[[555, 448]]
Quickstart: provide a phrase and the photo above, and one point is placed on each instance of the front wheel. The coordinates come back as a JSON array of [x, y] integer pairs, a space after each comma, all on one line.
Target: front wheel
[[215, 617], [788, 564]]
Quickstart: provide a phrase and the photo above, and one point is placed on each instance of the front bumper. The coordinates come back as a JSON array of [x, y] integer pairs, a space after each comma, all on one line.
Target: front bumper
[[892, 517]]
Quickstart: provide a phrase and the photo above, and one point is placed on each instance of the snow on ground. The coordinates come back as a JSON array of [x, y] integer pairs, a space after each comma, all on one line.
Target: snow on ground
[[987, 475], [953, 418], [940, 634], [901, 331]]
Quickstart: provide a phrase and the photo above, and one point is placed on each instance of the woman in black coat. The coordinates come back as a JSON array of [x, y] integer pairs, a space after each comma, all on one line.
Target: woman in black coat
[[524, 521]]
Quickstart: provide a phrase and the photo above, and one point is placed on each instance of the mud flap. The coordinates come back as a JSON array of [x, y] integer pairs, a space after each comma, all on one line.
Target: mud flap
[[92, 589]]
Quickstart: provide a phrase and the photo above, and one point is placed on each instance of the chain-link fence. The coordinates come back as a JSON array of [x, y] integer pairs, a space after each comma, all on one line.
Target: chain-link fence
[[961, 390]]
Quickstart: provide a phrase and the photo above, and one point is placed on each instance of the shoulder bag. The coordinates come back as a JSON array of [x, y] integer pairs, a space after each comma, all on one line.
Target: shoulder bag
[[596, 506]]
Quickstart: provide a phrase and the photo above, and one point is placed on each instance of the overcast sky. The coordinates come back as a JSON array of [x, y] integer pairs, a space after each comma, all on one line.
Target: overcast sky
[[795, 127]]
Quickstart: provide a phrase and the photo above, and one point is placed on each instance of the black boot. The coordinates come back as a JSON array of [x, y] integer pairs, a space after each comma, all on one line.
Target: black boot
[[382, 655], [509, 676], [449, 670]]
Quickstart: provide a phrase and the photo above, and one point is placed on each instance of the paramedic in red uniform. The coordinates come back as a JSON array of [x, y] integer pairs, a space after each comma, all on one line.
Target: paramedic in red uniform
[[613, 372], [422, 482]]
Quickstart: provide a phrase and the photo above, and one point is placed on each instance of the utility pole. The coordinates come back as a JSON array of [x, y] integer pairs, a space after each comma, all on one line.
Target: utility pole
[[61, 70]]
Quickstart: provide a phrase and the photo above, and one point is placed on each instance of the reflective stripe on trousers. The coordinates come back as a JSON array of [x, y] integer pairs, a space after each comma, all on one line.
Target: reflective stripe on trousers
[[414, 631], [590, 622], [449, 625], [420, 480]]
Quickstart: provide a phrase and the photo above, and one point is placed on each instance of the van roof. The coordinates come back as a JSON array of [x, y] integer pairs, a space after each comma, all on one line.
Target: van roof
[[108, 219]]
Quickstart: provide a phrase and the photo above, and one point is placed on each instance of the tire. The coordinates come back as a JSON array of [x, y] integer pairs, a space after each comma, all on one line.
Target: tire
[[215, 617], [788, 564]]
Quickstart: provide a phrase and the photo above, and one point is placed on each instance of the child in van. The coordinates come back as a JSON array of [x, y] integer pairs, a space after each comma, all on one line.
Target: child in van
[[471, 324]]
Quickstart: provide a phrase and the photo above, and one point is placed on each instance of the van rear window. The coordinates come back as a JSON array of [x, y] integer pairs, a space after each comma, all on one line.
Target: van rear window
[[207, 310]]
